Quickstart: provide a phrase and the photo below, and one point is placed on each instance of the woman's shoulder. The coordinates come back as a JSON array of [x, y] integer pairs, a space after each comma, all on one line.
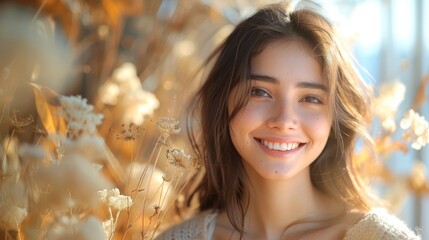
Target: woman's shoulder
[[379, 224], [200, 226]]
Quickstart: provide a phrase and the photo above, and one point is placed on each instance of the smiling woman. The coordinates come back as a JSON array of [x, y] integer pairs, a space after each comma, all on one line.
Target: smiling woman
[[286, 122], [280, 113]]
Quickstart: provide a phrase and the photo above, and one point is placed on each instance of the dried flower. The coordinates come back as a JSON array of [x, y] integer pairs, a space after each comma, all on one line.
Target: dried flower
[[137, 105], [124, 89], [389, 125], [129, 133], [108, 227], [40, 131], [387, 103], [179, 158], [120, 202], [126, 77], [168, 126], [78, 114], [19, 123], [109, 93], [114, 199], [418, 176], [416, 129]]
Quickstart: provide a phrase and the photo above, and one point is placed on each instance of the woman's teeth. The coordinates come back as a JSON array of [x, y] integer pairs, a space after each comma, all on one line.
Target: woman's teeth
[[280, 146]]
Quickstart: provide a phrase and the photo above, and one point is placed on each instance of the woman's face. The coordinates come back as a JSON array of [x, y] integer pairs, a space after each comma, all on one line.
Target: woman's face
[[286, 123]]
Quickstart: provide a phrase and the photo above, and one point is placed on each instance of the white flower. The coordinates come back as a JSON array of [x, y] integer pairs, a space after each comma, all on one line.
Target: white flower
[[124, 89], [168, 126], [109, 93], [389, 125], [416, 129], [102, 195], [108, 227], [126, 78], [120, 202], [114, 199], [79, 116], [137, 105], [389, 99], [179, 158]]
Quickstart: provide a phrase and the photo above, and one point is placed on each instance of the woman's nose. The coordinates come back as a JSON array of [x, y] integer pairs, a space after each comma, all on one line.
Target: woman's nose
[[283, 117]]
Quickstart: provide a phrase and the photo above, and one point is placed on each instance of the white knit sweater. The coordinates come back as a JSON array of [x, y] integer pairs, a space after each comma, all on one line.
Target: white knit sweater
[[376, 225]]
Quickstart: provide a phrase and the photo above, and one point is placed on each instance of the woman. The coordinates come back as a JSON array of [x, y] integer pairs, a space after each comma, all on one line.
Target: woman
[[280, 113]]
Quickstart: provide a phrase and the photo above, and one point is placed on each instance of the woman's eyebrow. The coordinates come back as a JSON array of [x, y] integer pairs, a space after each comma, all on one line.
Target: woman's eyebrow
[[312, 85], [254, 76], [303, 84]]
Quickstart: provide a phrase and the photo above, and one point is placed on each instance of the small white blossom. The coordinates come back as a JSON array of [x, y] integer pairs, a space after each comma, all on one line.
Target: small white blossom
[[125, 91], [79, 116], [120, 202], [109, 93], [387, 103], [168, 126], [137, 105], [126, 78], [102, 195], [114, 199], [179, 158], [416, 129], [108, 227], [389, 125]]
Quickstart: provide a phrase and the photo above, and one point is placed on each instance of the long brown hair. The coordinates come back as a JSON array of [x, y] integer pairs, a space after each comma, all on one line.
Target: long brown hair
[[223, 185]]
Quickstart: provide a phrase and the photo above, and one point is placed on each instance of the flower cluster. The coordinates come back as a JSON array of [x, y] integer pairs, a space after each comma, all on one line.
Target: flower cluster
[[387, 103], [114, 199], [124, 90], [179, 158], [79, 116], [416, 129], [168, 126]]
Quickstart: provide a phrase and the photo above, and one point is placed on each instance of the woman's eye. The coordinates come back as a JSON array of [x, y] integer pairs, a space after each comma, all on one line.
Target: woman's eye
[[311, 100], [259, 92]]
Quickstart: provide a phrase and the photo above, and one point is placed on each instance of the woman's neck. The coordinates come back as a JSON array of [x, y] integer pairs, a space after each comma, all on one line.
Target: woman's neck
[[274, 205]]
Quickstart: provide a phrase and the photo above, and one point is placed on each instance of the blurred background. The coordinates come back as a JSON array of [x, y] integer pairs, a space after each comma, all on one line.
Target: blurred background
[[137, 60]]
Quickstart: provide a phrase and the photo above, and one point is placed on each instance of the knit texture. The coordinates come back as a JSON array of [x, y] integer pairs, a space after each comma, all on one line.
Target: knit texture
[[198, 227], [376, 225], [379, 224]]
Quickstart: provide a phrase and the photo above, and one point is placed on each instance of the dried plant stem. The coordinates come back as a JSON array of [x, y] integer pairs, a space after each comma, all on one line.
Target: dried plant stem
[[38, 140], [131, 168], [148, 187], [161, 216], [157, 190], [141, 141], [113, 223], [3, 112], [19, 231], [39, 10], [44, 224], [147, 165], [128, 187], [3, 158], [160, 195]]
